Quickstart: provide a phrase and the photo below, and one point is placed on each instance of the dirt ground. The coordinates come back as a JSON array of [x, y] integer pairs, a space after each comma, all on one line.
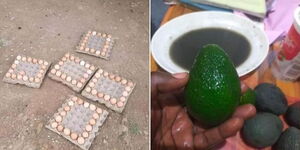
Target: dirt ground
[[47, 29]]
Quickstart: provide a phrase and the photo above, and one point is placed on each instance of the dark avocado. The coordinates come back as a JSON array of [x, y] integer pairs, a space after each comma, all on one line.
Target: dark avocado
[[289, 140], [269, 98], [262, 130]]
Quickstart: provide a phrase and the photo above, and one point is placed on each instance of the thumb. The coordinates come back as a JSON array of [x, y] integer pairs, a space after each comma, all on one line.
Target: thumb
[[162, 82]]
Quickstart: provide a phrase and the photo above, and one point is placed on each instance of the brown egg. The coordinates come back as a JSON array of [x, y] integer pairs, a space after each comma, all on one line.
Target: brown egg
[[106, 97], [125, 93], [60, 128], [123, 99], [87, 65], [88, 128], [97, 52], [67, 108], [60, 63], [92, 107], [34, 60], [67, 131], [73, 82], [128, 88], [97, 75], [100, 71], [120, 104], [80, 140], [41, 62], [105, 74], [13, 76], [85, 75], [102, 53], [92, 122], [86, 104], [92, 50], [37, 80], [111, 76], [95, 116], [53, 71], [81, 47], [54, 124], [64, 59], [85, 134], [130, 83], [118, 78], [24, 58], [80, 101], [86, 49], [74, 98], [113, 101], [29, 59], [88, 89], [100, 95], [77, 60], [16, 62], [92, 84], [79, 84], [43, 66], [63, 76], [72, 57], [99, 110], [46, 63], [70, 103], [124, 81], [95, 80], [25, 78], [31, 79], [94, 92], [42, 71], [56, 67], [89, 71], [58, 73], [13, 66], [74, 136], [19, 57], [63, 113], [8, 75], [19, 77], [10, 70], [92, 67], [69, 78], [67, 55], [58, 118], [82, 80]]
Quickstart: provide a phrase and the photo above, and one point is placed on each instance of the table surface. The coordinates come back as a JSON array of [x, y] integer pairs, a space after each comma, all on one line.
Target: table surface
[[261, 74]]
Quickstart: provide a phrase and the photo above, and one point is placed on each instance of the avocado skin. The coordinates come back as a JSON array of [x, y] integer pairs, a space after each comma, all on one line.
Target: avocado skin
[[289, 140], [269, 98], [213, 90], [292, 115], [262, 130], [248, 97]]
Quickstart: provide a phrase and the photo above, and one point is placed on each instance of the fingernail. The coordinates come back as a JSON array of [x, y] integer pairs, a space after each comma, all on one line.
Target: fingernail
[[179, 75]]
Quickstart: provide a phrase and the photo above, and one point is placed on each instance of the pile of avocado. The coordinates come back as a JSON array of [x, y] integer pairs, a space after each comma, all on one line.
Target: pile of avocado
[[265, 129], [213, 92]]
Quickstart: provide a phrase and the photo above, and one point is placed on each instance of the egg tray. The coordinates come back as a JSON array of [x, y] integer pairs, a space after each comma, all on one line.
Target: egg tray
[[27, 71], [72, 71], [96, 44], [78, 121], [109, 89]]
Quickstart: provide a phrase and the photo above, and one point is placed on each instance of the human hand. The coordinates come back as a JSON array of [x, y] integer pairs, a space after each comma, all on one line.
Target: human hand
[[171, 126]]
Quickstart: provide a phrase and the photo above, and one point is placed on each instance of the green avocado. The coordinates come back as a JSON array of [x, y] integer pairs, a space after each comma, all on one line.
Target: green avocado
[[289, 140], [262, 130], [248, 97], [292, 115], [213, 90]]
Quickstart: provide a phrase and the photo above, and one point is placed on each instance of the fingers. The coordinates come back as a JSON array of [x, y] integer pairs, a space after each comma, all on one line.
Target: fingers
[[217, 135], [162, 82], [245, 111], [214, 136], [182, 131]]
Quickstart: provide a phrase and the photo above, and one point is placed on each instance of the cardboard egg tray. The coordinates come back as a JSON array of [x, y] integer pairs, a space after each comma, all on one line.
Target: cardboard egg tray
[[78, 121], [109, 89], [72, 71], [27, 71], [96, 44]]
